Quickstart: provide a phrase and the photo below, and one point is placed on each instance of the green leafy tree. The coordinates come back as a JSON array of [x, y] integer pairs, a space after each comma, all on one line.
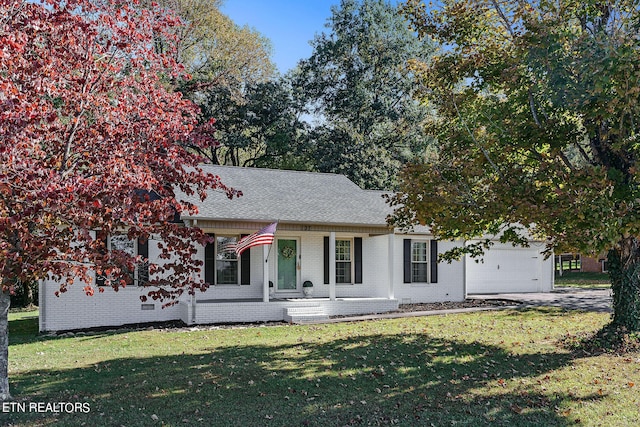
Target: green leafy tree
[[358, 83], [537, 125], [231, 69], [216, 51], [264, 129]]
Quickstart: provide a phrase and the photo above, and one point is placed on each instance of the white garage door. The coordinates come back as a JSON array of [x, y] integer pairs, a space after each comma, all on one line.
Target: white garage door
[[505, 270]]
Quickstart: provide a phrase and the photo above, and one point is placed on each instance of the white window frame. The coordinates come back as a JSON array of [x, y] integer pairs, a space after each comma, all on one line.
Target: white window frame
[[426, 262], [236, 260], [351, 261], [136, 272]]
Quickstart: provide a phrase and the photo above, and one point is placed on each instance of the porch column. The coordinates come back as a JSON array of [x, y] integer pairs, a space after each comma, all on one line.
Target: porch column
[[332, 266], [265, 273], [391, 260], [192, 317]]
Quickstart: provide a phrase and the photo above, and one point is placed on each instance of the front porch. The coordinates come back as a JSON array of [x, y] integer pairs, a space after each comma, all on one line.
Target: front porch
[[293, 310]]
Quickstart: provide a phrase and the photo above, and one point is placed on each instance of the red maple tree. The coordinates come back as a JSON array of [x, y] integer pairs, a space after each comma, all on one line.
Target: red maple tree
[[92, 141]]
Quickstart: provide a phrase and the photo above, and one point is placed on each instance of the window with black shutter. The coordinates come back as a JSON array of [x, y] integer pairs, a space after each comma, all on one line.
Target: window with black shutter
[[347, 259], [221, 264], [420, 261], [120, 242], [227, 261]]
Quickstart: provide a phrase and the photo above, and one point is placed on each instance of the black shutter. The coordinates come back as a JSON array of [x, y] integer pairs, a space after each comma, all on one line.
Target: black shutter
[[143, 248], [433, 252], [245, 266], [143, 266], [210, 260], [407, 260], [100, 278], [357, 254], [326, 260]]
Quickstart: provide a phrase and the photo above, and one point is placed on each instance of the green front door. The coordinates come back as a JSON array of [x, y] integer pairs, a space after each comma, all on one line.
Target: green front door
[[287, 264]]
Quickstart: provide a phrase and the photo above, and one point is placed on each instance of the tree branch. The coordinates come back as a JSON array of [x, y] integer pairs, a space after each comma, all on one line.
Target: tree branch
[[584, 154], [566, 161], [503, 17], [484, 151], [532, 107]]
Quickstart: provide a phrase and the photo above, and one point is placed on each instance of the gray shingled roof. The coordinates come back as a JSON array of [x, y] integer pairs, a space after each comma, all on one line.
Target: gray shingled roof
[[292, 196]]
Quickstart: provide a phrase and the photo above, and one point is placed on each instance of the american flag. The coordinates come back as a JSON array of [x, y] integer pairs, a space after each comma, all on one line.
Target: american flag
[[264, 236], [227, 247]]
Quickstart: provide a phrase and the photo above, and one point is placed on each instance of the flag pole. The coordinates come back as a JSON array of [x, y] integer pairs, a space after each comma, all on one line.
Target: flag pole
[[274, 239]]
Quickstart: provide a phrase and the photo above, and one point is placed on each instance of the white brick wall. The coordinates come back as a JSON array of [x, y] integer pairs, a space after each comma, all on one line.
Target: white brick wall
[[312, 263], [450, 286], [75, 310]]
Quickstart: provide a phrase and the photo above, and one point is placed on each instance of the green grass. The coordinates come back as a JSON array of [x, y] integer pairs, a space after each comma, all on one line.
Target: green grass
[[583, 280], [23, 325], [504, 368]]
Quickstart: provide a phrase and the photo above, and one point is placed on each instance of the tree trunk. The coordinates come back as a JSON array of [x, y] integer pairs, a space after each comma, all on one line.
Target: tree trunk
[[28, 294], [624, 271], [5, 302]]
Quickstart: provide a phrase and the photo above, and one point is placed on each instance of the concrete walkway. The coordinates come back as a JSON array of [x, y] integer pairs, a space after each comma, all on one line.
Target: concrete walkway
[[569, 298]]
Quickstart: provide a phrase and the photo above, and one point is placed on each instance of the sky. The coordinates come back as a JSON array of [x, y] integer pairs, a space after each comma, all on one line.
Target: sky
[[289, 24]]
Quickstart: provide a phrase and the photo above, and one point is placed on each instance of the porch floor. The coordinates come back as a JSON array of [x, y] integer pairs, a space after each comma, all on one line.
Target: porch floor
[[210, 311], [319, 299]]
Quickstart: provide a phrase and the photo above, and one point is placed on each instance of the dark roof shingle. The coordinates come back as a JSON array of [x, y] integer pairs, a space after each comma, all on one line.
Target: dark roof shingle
[[291, 196]]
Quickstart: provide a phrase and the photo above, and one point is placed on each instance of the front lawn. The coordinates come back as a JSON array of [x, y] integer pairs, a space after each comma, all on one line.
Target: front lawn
[[577, 279], [506, 368]]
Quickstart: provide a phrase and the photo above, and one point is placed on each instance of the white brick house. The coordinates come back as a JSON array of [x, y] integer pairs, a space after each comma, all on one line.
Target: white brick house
[[330, 233]]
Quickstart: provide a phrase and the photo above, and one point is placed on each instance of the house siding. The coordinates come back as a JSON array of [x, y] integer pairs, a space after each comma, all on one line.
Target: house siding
[[311, 263], [310, 207], [75, 310], [450, 285]]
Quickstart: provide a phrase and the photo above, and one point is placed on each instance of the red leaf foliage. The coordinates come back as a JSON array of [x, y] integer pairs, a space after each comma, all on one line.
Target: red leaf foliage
[[93, 138]]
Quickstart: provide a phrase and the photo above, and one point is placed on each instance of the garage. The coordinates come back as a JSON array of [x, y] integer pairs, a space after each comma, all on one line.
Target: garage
[[508, 269]]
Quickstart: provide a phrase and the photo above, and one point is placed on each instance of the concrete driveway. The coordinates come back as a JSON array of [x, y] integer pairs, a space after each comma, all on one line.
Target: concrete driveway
[[568, 298]]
